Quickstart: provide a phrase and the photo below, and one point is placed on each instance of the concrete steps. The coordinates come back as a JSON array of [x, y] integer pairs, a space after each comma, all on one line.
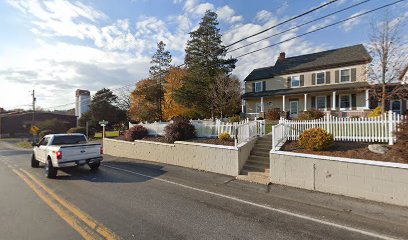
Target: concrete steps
[[256, 168]]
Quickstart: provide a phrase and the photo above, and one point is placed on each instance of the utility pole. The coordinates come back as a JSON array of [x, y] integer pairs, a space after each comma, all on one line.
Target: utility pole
[[32, 122]]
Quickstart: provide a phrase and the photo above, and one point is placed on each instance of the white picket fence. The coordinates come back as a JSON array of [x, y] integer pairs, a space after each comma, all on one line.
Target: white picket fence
[[239, 131], [377, 129]]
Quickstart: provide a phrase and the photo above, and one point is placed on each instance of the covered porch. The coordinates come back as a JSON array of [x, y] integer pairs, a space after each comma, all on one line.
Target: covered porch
[[340, 103]]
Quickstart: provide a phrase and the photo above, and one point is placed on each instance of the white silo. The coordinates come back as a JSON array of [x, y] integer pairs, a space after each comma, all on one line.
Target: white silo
[[82, 100]]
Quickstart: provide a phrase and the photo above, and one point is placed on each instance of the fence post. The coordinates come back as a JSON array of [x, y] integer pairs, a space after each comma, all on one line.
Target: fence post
[[390, 127], [236, 136], [273, 138]]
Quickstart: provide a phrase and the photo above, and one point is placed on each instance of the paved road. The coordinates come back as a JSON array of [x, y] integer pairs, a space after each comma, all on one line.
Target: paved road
[[139, 200]]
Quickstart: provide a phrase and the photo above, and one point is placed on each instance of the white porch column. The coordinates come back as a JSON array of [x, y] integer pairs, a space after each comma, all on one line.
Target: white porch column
[[262, 105], [334, 101], [243, 106], [305, 107], [367, 98], [283, 103]]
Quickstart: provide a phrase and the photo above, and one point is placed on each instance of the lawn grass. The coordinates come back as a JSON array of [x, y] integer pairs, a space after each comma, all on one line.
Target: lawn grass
[[108, 134], [268, 128], [24, 144]]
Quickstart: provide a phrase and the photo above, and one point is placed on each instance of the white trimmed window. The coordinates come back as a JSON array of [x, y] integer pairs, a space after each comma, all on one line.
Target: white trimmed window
[[320, 78], [345, 101], [258, 87], [295, 81], [321, 102], [345, 75], [258, 107]]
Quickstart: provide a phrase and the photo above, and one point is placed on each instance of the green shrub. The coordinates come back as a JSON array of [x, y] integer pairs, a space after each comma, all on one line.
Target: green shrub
[[77, 130], [225, 136], [45, 132], [316, 139], [180, 129], [273, 115], [234, 118], [136, 132], [311, 115], [375, 113]]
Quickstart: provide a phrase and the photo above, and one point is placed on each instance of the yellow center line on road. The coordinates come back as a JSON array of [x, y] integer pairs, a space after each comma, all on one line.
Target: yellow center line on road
[[84, 231], [92, 223]]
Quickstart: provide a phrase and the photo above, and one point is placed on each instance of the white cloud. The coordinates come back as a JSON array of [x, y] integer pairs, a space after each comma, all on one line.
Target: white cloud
[[263, 16], [350, 24], [227, 14], [192, 6], [323, 23]]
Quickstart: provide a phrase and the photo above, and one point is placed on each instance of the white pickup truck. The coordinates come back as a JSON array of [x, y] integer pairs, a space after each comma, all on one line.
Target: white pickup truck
[[65, 150]]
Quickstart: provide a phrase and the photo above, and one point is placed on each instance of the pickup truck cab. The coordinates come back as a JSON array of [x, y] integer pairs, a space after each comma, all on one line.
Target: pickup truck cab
[[65, 150]]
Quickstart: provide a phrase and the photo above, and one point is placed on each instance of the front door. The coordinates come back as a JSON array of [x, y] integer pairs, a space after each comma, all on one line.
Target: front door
[[294, 108]]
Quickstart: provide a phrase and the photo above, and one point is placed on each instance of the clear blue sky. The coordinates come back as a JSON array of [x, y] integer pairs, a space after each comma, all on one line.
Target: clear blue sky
[[57, 46]]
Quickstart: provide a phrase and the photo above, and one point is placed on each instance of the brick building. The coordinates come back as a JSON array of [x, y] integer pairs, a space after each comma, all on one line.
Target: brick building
[[18, 125]]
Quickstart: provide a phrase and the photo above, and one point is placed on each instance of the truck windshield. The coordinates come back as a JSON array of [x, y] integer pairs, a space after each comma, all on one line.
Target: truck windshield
[[67, 140]]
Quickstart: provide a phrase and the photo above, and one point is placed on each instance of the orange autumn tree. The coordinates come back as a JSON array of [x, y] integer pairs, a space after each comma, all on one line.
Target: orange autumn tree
[[144, 105], [173, 82]]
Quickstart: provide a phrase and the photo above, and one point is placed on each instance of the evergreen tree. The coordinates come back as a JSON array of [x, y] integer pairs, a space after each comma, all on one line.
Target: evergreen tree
[[205, 59], [160, 63]]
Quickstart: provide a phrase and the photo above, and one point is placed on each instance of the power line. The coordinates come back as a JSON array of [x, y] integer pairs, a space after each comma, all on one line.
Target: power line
[[281, 23], [321, 28], [298, 26]]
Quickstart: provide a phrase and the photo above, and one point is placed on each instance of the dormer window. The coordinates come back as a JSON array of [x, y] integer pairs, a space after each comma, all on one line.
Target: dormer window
[[320, 78], [345, 75], [295, 81]]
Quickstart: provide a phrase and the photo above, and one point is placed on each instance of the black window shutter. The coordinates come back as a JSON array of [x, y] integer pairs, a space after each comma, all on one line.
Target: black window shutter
[[336, 76], [353, 101], [313, 78], [302, 80], [253, 87], [337, 101], [289, 82], [264, 86], [328, 103], [328, 77], [313, 102], [353, 74]]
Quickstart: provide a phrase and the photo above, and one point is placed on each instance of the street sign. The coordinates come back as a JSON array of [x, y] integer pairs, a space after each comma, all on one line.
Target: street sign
[[103, 123]]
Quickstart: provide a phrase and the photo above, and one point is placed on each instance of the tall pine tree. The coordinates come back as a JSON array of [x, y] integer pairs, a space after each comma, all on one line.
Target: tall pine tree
[[160, 63], [205, 59]]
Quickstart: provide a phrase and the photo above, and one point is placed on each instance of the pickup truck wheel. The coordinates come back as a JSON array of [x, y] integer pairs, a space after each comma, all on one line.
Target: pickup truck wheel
[[34, 162], [94, 166], [50, 171]]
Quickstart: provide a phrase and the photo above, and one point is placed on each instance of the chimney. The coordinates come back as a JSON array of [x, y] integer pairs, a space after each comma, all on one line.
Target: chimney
[[281, 56]]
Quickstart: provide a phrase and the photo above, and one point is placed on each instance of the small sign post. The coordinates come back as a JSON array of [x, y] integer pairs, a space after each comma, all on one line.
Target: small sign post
[[103, 123]]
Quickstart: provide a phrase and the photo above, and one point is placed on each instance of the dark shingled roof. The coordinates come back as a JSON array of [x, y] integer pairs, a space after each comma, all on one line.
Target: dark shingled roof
[[311, 89], [339, 57]]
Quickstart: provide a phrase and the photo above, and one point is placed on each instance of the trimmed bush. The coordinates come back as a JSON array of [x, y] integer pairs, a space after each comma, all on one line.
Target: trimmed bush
[[273, 115], [225, 136], [135, 133], [375, 113], [180, 129], [316, 139], [77, 130], [234, 118], [45, 132], [311, 115]]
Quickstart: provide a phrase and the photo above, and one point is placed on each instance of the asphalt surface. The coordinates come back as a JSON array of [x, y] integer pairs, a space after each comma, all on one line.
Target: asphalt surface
[[140, 200]]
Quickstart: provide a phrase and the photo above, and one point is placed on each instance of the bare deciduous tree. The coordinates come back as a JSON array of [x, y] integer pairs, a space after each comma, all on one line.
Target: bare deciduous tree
[[389, 58], [225, 94]]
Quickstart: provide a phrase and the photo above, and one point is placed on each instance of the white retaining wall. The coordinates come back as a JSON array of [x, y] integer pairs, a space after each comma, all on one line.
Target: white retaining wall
[[372, 180], [226, 160]]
